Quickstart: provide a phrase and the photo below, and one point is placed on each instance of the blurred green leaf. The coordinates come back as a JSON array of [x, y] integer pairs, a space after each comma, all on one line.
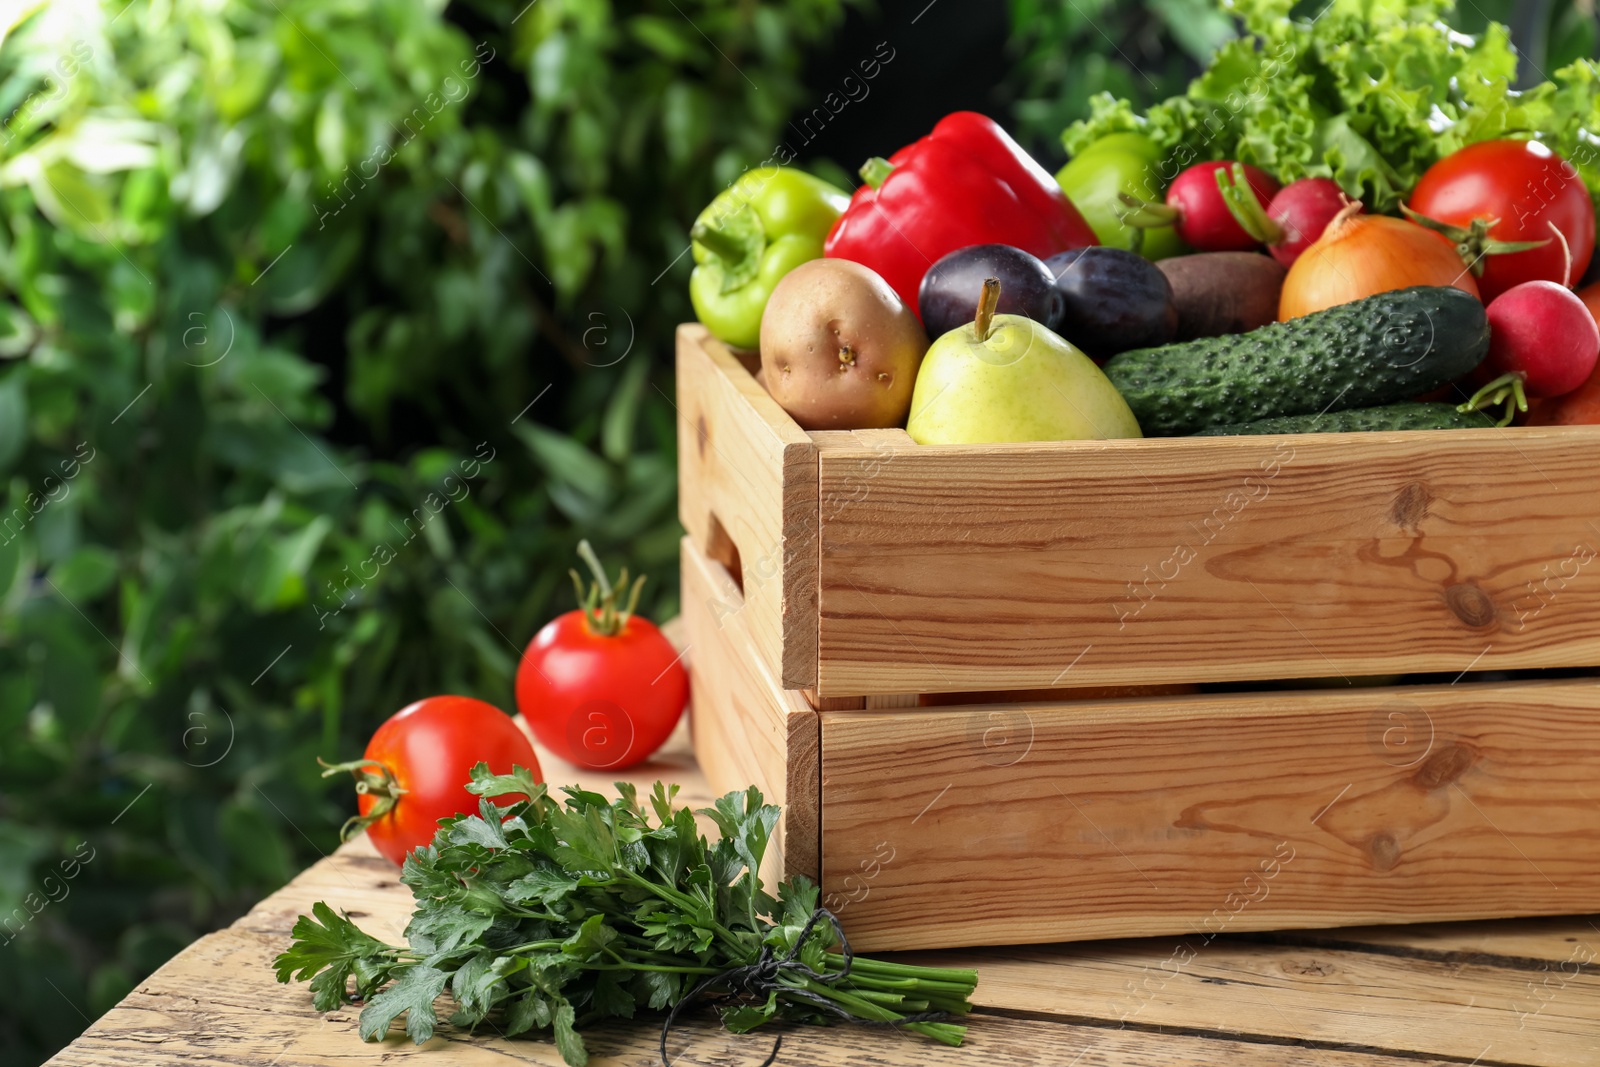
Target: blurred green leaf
[[13, 419], [85, 574], [296, 294]]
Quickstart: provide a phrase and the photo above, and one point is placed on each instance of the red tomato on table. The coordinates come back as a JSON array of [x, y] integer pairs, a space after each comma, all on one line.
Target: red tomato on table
[[601, 687], [416, 769], [1510, 191]]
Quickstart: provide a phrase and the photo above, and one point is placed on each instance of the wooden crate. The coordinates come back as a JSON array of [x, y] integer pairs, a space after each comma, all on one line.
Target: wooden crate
[[968, 765]]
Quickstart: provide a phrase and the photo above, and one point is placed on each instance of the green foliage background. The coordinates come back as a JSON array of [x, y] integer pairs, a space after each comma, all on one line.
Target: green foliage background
[[348, 318], [190, 211]]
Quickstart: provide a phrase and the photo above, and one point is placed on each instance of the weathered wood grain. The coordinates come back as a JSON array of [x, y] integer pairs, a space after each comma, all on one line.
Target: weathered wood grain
[[1216, 559], [218, 1006], [1032, 823], [747, 731], [1126, 1003], [1539, 944], [1467, 1011], [747, 494]]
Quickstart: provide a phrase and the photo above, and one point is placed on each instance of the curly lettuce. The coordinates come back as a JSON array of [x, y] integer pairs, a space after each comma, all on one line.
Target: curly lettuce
[[1370, 93]]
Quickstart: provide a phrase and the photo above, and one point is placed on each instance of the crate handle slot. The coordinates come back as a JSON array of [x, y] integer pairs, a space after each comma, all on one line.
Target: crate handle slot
[[720, 549]]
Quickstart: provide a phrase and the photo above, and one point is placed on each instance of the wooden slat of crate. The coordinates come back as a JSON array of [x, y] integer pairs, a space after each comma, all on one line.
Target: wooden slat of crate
[[747, 480], [746, 730], [1035, 823], [1214, 559]]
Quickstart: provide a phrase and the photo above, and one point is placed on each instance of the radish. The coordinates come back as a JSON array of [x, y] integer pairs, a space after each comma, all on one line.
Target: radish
[[1292, 221], [1542, 342], [1197, 209]]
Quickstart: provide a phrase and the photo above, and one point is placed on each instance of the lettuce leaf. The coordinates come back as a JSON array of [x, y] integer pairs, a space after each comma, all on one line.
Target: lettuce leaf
[[1370, 93]]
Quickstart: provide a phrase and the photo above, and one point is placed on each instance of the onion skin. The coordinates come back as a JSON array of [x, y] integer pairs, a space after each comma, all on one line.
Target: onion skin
[[1363, 255]]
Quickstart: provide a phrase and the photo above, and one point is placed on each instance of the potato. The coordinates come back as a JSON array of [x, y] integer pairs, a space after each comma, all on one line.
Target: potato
[[1223, 292], [839, 349]]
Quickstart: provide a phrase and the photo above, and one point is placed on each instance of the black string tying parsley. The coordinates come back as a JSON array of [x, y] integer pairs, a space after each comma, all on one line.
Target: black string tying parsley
[[544, 916]]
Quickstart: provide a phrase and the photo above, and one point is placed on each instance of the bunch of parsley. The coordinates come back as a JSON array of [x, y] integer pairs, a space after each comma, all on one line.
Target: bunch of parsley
[[544, 916]]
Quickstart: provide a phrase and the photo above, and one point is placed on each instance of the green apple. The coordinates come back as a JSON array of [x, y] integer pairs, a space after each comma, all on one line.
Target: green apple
[[1007, 378]]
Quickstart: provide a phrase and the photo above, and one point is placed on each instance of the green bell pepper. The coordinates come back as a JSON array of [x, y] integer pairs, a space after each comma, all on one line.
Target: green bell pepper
[[1118, 163], [768, 222]]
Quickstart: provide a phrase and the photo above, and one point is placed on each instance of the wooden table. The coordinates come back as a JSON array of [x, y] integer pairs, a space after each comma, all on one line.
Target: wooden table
[[1489, 993]]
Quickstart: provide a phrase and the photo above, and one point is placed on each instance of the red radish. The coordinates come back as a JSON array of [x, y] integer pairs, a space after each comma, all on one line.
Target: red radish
[[1542, 343], [1198, 211], [1292, 221]]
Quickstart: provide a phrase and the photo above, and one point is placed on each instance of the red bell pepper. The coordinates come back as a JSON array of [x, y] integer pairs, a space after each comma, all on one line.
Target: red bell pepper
[[966, 183]]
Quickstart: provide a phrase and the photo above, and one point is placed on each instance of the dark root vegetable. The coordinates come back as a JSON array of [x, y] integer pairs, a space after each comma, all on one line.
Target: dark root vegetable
[[1219, 293]]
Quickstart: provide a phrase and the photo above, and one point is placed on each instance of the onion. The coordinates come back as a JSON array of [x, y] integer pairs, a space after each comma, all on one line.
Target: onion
[[1363, 255]]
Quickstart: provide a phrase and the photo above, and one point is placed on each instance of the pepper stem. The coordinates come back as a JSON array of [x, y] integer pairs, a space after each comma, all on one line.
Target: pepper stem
[[1245, 206], [1506, 389], [599, 601], [717, 241], [381, 784], [987, 303], [875, 170]]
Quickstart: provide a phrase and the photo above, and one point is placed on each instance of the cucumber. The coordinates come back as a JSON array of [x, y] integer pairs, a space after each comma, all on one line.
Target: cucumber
[[1377, 351], [1362, 420]]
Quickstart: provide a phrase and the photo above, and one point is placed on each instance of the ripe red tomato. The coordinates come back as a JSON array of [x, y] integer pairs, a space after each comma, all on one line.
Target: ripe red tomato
[[1522, 188], [601, 687], [416, 769]]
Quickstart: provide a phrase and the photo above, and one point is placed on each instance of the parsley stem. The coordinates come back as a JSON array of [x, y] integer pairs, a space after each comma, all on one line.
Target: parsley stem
[[946, 1033], [689, 904], [660, 967], [664, 968], [965, 978]]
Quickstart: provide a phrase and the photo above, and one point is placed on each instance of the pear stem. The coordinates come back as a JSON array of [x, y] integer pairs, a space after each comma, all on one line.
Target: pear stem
[[987, 303]]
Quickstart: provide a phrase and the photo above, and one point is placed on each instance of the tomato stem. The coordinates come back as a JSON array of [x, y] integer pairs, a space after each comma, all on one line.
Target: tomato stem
[[383, 785], [1473, 243], [599, 602]]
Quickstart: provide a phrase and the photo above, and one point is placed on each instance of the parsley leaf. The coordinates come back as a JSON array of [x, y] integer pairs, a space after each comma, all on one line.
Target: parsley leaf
[[541, 910], [413, 996], [327, 946], [568, 1042]]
